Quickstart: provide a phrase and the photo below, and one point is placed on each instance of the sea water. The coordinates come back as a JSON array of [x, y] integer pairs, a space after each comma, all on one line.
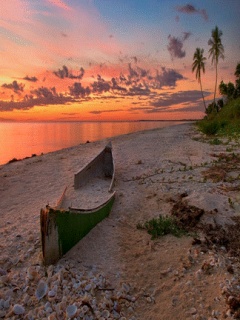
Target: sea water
[[23, 139]]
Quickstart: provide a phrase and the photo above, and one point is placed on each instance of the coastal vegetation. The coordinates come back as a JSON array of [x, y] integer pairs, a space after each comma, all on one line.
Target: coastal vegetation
[[222, 116], [224, 122], [161, 226]]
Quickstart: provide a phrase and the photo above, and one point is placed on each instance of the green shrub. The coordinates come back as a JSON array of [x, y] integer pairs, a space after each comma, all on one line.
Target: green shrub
[[224, 122], [216, 141], [161, 226], [209, 127]]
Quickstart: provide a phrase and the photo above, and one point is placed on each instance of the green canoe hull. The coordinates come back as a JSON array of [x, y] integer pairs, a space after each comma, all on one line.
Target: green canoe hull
[[64, 225], [61, 229]]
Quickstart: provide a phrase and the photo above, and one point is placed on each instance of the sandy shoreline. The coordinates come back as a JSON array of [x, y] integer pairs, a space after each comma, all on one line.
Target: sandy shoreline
[[147, 279]]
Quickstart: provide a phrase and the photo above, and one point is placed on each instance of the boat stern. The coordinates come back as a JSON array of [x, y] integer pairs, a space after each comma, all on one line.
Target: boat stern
[[49, 235]]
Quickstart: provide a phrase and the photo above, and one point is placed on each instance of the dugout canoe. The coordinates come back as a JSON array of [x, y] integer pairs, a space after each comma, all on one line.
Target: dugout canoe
[[80, 208]]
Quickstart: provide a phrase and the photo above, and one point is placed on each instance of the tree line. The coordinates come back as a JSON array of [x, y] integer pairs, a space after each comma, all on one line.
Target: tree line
[[216, 52]]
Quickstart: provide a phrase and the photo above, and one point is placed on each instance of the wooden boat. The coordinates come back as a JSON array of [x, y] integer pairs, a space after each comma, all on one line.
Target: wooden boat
[[80, 207]]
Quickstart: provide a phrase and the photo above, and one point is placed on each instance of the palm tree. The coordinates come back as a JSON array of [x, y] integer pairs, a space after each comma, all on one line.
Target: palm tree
[[216, 51], [237, 72], [199, 65]]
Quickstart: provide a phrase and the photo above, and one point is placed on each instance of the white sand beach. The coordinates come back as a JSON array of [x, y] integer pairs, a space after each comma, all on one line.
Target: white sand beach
[[117, 271]]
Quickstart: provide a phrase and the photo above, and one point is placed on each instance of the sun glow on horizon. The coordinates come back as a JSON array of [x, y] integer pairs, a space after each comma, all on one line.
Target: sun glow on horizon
[[73, 61]]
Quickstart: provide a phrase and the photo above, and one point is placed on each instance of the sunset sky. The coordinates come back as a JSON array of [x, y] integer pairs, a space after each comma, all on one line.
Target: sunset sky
[[111, 59]]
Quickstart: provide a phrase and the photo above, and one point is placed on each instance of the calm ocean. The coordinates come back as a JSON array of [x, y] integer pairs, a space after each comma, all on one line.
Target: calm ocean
[[22, 139]]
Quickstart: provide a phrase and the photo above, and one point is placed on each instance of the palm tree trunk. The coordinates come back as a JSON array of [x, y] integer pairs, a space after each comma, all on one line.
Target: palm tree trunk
[[202, 94], [215, 86]]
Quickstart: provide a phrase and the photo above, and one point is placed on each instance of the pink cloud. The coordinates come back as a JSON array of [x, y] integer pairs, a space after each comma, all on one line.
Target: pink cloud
[[14, 11], [40, 43], [60, 4]]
